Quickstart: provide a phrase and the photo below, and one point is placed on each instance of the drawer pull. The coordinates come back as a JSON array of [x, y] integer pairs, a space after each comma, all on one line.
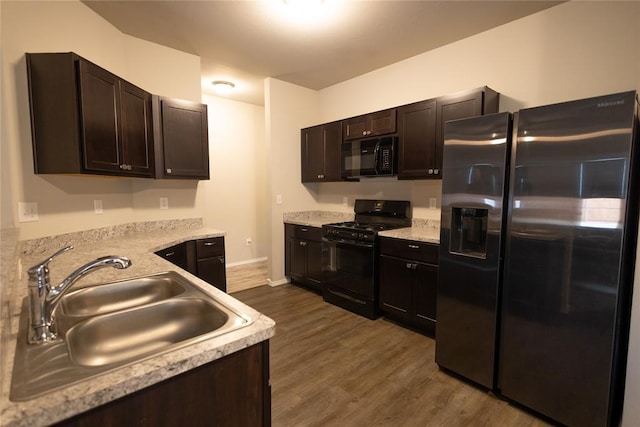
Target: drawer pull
[[303, 243], [414, 246], [170, 254], [409, 265], [209, 243], [304, 229]]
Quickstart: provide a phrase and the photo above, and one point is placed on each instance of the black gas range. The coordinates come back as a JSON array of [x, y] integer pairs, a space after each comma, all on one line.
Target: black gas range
[[350, 254]]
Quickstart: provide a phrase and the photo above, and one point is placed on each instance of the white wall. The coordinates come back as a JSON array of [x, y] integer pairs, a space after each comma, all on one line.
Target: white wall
[[236, 199], [288, 108], [66, 203]]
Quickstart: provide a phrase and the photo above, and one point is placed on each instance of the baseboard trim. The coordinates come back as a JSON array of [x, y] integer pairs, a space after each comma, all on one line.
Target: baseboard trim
[[247, 261], [274, 283]]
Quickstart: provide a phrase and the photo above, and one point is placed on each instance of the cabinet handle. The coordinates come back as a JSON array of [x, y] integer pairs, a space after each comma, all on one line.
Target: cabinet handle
[[209, 243], [436, 171], [430, 171], [409, 265], [221, 259], [168, 170], [364, 133], [303, 243], [414, 266], [304, 229], [320, 176], [125, 166], [414, 246], [169, 254]]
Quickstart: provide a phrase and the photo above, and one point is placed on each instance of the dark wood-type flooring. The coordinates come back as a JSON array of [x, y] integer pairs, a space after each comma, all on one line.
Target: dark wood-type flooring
[[330, 367]]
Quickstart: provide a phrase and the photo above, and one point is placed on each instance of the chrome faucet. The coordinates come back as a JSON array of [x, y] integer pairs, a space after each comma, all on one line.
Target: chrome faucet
[[43, 299]]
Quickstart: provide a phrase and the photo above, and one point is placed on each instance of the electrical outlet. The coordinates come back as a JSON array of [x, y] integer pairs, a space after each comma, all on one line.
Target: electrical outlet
[[97, 207], [27, 211], [432, 202], [164, 203], [247, 241]]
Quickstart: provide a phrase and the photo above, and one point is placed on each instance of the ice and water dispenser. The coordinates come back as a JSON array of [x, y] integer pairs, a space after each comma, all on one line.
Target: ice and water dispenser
[[469, 231]]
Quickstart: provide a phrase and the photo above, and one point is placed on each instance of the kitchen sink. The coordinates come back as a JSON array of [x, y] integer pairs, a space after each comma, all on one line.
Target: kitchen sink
[[109, 326]]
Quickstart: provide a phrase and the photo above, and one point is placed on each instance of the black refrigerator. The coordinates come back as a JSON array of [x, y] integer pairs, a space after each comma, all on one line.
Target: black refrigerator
[[537, 251]]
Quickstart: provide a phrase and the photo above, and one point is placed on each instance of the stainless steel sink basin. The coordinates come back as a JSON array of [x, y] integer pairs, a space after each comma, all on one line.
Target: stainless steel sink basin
[[112, 325], [94, 300], [116, 337]]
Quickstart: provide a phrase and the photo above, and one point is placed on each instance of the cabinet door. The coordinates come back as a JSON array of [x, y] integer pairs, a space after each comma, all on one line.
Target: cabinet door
[[137, 138], [185, 140], [312, 150], [425, 297], [99, 102], [382, 122], [298, 258], [320, 149], [212, 270], [395, 287], [417, 141], [355, 127]]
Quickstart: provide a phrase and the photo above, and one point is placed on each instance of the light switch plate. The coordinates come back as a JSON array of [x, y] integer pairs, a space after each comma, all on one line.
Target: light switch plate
[[97, 206], [27, 211], [432, 202], [278, 199]]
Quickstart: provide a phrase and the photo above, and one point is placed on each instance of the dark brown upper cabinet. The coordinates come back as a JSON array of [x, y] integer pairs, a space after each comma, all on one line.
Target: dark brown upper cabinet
[[181, 138], [85, 119], [421, 129], [320, 150], [417, 139], [369, 125]]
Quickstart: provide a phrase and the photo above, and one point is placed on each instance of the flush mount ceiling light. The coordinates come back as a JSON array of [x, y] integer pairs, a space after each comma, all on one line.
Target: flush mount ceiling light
[[222, 86]]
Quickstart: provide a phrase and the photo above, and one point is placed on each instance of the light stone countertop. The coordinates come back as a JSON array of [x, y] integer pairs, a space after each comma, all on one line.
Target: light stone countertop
[[421, 230], [139, 246], [316, 218]]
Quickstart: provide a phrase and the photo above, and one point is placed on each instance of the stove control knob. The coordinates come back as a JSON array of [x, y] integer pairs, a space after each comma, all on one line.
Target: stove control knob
[[354, 235]]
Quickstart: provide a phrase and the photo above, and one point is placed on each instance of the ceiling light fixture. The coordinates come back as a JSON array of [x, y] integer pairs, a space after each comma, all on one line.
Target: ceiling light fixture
[[222, 86]]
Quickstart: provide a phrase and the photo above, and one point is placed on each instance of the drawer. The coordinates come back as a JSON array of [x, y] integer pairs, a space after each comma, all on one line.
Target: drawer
[[410, 249], [206, 248], [176, 254], [307, 233]]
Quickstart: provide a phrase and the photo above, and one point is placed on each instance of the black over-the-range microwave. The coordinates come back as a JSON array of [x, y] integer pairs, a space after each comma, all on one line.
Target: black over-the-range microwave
[[370, 157]]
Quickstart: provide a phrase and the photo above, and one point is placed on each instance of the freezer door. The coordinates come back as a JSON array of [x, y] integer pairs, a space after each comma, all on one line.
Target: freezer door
[[473, 186], [564, 261]]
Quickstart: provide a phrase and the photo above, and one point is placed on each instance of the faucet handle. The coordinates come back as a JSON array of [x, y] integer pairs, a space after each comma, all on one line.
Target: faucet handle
[[41, 267]]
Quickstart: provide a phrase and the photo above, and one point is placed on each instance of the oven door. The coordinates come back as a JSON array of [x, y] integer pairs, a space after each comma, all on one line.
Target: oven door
[[349, 265]]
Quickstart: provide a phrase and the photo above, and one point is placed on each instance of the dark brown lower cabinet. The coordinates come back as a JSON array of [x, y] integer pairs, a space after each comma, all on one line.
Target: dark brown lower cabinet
[[232, 391], [408, 282], [303, 255], [204, 258], [210, 262]]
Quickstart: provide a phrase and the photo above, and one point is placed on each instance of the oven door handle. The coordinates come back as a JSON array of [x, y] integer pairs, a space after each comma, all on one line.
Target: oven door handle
[[348, 243]]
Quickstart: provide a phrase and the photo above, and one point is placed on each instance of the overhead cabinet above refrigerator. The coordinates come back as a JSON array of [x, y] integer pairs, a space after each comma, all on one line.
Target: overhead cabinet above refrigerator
[[534, 299]]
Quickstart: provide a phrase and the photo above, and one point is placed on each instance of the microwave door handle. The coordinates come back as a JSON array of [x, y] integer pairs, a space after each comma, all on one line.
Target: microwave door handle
[[376, 152]]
